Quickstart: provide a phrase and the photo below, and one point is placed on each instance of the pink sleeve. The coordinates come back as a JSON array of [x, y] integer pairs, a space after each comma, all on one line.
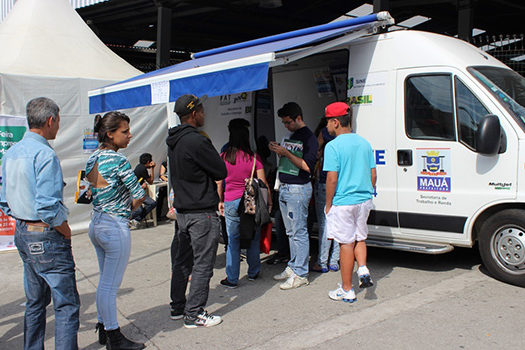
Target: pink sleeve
[[258, 163]]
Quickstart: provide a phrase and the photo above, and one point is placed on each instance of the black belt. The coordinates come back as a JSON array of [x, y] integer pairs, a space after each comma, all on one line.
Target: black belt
[[196, 211]]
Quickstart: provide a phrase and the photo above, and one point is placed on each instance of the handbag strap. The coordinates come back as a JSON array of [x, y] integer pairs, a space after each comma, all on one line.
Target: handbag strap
[[253, 169]]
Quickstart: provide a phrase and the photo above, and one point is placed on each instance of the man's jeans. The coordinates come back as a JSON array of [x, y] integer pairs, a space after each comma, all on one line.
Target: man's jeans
[[49, 272], [324, 244], [140, 213], [233, 253], [294, 201], [193, 251], [111, 238]]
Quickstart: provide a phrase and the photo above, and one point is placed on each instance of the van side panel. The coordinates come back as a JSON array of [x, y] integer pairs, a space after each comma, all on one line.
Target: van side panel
[[372, 96]]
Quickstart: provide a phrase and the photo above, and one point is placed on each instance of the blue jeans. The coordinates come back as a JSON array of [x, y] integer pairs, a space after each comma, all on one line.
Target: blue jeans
[[140, 213], [233, 253], [110, 236], [49, 272], [324, 244], [294, 201]]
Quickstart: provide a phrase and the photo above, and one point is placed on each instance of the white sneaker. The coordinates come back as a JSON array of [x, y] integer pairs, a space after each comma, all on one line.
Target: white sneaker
[[294, 281], [202, 320], [341, 294], [284, 275]]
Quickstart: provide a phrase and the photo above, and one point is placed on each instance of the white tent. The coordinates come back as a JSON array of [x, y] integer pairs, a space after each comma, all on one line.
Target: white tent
[[48, 50]]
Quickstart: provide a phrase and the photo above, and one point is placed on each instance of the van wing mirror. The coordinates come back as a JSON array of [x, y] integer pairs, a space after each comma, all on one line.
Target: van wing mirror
[[488, 135]]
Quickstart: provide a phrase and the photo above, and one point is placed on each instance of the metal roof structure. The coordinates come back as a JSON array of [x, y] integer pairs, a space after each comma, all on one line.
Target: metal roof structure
[[135, 28]]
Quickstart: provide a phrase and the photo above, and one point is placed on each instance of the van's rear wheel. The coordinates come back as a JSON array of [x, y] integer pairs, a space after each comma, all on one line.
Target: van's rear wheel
[[502, 246]]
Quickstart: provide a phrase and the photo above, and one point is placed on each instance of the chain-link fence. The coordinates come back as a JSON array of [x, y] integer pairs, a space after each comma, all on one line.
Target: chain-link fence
[[509, 49]]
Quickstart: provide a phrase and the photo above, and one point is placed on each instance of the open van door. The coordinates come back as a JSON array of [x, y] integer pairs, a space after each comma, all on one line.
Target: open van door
[[444, 182]]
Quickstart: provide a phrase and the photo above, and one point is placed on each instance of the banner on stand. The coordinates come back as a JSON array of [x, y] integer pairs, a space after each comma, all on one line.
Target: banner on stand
[[12, 130]]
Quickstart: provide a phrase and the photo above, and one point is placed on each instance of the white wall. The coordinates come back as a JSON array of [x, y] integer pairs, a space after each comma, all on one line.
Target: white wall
[[295, 82], [218, 117]]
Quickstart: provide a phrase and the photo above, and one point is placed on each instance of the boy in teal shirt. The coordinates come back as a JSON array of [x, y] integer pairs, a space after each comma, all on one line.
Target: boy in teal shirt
[[350, 181]]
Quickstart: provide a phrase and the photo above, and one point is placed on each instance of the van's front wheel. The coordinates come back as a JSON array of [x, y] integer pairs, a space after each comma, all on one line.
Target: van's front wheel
[[502, 246]]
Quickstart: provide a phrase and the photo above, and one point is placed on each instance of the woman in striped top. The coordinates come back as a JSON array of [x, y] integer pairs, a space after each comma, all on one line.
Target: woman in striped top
[[116, 192]]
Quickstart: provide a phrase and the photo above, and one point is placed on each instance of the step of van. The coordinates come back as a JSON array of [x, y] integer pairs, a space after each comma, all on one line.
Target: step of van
[[415, 247]]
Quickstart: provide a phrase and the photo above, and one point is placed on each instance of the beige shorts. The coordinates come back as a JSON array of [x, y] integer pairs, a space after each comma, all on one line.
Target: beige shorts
[[347, 223]]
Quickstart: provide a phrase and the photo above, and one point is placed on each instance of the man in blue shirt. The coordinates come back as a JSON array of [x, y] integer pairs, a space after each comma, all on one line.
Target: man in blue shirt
[[32, 194], [350, 180], [295, 192]]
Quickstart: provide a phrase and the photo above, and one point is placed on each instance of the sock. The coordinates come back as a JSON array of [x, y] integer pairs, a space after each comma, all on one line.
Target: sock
[[362, 270]]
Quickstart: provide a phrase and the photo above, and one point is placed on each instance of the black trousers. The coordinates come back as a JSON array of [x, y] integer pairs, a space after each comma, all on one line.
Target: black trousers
[[193, 252]]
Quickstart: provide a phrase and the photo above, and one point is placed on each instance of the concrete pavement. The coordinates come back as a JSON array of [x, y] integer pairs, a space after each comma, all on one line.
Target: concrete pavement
[[418, 302]]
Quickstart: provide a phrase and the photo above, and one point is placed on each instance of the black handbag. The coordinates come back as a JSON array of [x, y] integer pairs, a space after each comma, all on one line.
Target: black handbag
[[262, 215], [223, 237]]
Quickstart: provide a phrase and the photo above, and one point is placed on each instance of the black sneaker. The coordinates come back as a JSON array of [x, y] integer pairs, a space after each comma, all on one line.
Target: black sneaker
[[254, 277], [365, 281], [228, 284], [176, 315], [278, 260], [202, 320]]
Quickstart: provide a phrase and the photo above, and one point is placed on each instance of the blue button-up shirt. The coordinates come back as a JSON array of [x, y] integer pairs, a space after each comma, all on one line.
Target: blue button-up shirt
[[32, 184]]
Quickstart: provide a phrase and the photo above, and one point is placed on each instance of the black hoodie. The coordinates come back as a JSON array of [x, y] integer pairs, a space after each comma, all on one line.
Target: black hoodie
[[194, 166]]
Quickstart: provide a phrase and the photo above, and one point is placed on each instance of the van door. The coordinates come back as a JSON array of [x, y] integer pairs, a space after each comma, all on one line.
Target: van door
[[442, 181]]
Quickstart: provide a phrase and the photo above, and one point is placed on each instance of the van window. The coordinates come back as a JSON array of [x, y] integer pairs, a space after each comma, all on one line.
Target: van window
[[428, 107], [469, 112], [507, 86]]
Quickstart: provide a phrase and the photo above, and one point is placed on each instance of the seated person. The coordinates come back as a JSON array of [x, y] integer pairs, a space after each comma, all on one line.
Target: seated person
[[164, 171], [162, 201], [144, 173]]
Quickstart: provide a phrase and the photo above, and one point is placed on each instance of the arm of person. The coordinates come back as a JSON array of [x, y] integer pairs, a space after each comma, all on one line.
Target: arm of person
[[220, 192], [151, 172], [64, 229], [130, 180], [210, 161], [373, 174], [135, 203], [331, 184], [310, 149], [49, 193], [283, 152], [162, 174]]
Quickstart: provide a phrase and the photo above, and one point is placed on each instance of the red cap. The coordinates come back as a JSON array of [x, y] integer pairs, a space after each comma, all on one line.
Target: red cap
[[336, 109]]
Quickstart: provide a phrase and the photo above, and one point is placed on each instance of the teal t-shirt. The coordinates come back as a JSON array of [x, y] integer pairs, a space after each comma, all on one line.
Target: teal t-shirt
[[352, 157]]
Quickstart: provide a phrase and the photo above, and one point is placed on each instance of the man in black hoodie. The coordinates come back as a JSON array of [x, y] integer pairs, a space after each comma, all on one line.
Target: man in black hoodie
[[194, 166]]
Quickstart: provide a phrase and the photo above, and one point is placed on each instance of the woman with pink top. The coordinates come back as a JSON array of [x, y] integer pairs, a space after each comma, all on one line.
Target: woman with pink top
[[239, 160]]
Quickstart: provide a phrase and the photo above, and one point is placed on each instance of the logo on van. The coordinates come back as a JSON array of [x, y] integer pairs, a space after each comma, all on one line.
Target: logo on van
[[434, 165], [501, 185], [433, 184], [360, 100], [350, 83]]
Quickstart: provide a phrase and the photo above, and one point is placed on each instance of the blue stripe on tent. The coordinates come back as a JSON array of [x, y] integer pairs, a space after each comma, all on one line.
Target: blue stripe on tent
[[274, 46], [129, 98], [229, 81], [288, 35], [211, 84]]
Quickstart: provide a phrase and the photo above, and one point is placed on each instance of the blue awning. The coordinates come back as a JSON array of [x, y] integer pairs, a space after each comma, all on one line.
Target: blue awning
[[231, 69]]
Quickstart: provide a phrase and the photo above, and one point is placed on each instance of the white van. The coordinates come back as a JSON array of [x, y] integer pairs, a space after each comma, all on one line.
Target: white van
[[446, 120], [447, 123]]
